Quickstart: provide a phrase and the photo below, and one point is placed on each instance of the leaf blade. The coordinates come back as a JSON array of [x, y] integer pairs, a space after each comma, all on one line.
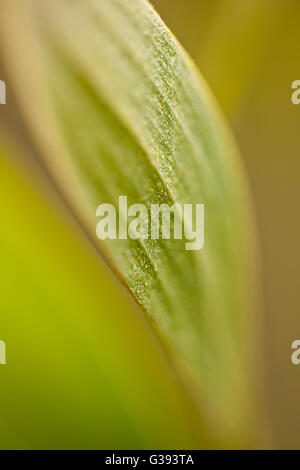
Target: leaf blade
[[122, 87]]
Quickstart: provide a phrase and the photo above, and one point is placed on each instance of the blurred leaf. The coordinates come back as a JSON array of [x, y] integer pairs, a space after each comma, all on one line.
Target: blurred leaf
[[233, 48], [83, 369], [117, 108]]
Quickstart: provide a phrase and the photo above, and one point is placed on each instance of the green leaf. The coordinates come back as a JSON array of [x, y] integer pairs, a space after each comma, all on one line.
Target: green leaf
[[117, 108]]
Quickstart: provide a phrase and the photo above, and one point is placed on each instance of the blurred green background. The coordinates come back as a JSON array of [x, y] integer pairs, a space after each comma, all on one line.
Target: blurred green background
[[249, 53]]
